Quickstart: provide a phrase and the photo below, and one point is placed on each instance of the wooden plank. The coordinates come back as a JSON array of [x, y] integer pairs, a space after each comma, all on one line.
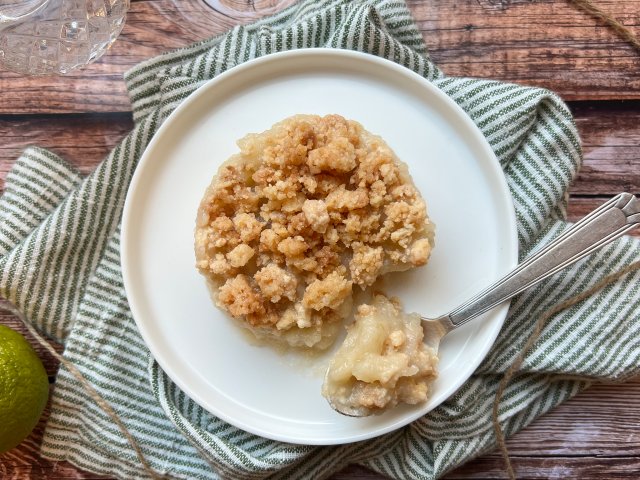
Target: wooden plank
[[545, 43], [491, 467], [152, 27], [82, 140], [601, 421], [559, 468], [610, 133]]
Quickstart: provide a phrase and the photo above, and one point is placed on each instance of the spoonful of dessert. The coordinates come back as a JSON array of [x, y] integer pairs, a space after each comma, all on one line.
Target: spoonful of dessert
[[390, 357]]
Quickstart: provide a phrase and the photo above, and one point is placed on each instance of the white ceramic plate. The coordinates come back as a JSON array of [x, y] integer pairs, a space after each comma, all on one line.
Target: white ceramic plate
[[203, 351]]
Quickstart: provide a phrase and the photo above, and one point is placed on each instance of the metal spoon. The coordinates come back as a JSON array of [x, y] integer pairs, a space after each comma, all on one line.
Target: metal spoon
[[606, 223]]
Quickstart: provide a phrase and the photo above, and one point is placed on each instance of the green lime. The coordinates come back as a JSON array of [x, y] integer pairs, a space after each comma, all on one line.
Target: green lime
[[24, 388]]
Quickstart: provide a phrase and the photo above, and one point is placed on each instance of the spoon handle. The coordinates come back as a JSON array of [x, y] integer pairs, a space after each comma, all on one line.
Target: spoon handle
[[604, 224]]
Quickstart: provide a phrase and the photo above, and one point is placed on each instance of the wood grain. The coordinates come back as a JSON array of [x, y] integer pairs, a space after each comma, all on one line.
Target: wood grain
[[610, 133], [544, 43], [83, 140], [559, 468]]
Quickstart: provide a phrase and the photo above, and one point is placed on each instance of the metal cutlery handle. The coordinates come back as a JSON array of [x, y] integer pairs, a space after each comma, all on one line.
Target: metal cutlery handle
[[606, 223]]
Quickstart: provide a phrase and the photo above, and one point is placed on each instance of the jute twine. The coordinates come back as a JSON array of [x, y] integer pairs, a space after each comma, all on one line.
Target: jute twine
[[535, 334], [622, 31], [93, 393], [511, 371], [627, 35], [586, 6]]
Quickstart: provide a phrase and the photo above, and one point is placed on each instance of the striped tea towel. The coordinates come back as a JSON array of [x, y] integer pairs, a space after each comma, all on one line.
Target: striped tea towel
[[60, 265]]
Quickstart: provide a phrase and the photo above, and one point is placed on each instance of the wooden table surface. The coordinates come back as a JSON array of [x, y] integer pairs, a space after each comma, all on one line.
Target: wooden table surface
[[545, 43]]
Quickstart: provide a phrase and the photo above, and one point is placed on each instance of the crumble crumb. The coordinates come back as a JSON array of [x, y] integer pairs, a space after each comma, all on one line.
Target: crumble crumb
[[328, 293], [275, 282], [315, 213], [239, 297], [240, 255]]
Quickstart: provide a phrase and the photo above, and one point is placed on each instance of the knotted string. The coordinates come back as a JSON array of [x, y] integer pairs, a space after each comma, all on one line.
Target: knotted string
[[91, 391], [511, 371], [627, 35], [584, 5], [535, 334], [623, 32]]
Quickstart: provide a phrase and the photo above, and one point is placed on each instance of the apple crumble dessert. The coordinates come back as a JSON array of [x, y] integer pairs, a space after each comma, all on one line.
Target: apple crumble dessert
[[382, 362], [306, 212]]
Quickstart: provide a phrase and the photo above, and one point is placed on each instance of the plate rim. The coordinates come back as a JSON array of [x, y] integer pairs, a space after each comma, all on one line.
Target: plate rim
[[500, 311]]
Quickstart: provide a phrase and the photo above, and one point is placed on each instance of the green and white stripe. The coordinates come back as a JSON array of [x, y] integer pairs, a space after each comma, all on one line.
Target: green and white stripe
[[60, 265]]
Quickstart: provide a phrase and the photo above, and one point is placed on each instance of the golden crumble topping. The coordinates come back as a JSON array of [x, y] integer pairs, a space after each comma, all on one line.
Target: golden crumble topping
[[306, 212]]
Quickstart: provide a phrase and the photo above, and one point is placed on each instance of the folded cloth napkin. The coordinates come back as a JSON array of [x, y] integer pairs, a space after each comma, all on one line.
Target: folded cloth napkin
[[60, 266]]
